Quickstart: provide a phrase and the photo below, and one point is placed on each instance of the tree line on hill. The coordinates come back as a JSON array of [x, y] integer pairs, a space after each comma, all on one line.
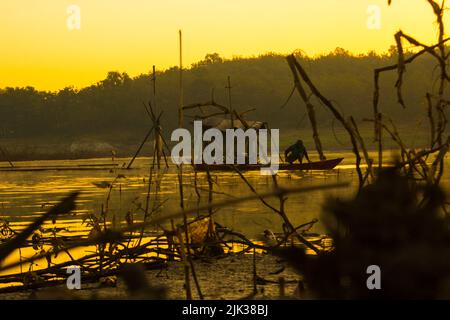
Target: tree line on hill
[[114, 106]]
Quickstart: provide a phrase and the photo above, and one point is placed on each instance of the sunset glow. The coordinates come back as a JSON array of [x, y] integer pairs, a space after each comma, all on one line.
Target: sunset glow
[[38, 49]]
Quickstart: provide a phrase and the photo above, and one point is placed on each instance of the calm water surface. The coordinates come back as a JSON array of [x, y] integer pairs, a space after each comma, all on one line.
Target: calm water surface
[[25, 195]]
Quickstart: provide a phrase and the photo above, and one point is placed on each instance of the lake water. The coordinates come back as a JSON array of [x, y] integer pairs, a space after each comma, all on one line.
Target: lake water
[[24, 195], [28, 194]]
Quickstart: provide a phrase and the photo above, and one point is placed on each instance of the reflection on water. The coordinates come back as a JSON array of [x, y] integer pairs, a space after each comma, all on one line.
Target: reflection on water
[[27, 194], [24, 195]]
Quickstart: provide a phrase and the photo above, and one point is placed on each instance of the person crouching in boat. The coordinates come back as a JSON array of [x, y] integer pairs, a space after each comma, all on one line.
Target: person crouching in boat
[[296, 152]]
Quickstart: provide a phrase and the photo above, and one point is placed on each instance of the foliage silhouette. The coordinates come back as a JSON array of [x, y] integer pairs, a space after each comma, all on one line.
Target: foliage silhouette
[[393, 224]]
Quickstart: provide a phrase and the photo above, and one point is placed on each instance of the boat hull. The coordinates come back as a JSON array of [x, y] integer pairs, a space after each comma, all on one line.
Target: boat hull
[[317, 165]]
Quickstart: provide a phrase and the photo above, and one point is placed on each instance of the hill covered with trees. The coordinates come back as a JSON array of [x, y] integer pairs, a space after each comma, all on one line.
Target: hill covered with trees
[[112, 110]]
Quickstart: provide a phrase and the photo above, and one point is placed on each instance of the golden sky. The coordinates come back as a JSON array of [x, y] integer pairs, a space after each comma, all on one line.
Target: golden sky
[[38, 48]]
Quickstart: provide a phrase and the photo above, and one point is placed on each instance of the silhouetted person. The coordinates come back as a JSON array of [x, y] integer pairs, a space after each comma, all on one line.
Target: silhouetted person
[[296, 152]]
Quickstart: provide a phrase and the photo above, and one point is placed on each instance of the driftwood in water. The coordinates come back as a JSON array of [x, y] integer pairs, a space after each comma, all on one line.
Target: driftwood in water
[[65, 206], [304, 76], [309, 106], [435, 102], [3, 152]]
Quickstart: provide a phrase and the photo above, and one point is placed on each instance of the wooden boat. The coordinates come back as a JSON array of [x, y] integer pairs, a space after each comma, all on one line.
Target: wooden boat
[[317, 165]]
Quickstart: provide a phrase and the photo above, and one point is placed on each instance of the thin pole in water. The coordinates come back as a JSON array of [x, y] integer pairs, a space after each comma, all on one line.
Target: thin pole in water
[[154, 88], [180, 111], [3, 152], [230, 107]]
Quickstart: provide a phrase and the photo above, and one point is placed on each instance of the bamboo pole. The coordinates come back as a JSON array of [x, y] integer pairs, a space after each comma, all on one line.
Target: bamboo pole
[[358, 136], [379, 124], [255, 275], [186, 259], [3, 152], [230, 106], [140, 147], [158, 129], [180, 110]]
